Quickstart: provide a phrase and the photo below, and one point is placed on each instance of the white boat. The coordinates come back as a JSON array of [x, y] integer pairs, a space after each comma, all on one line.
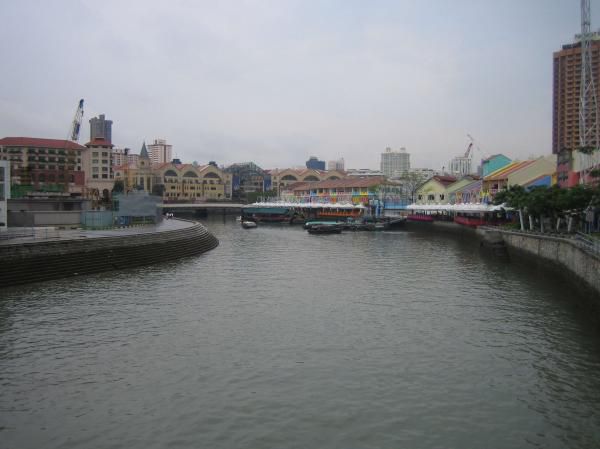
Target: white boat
[[247, 224]]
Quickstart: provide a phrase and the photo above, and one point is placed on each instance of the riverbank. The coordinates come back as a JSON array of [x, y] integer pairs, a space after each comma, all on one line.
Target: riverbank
[[565, 252], [65, 253]]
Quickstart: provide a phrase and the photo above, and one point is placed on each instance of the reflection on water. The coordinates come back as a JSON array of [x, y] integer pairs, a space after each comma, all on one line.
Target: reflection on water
[[278, 338]]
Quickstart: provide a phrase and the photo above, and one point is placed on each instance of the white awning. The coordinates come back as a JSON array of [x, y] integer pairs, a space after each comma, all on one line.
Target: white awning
[[466, 207]]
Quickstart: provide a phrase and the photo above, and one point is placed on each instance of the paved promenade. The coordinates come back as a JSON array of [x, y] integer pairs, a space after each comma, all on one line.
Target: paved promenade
[[16, 236]]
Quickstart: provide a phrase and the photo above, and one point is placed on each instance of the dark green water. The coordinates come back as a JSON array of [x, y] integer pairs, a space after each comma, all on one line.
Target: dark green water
[[280, 339]]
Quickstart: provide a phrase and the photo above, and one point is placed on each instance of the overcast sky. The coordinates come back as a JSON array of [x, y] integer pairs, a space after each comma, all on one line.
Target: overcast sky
[[275, 82]]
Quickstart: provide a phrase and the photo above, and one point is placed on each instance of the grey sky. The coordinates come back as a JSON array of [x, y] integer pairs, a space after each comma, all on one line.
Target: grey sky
[[278, 81]]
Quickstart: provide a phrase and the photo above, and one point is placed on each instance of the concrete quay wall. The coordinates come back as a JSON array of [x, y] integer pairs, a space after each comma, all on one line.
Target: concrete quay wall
[[563, 252], [44, 260]]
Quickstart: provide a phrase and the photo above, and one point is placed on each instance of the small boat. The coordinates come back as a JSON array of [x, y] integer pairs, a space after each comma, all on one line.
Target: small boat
[[247, 224], [310, 224], [325, 229]]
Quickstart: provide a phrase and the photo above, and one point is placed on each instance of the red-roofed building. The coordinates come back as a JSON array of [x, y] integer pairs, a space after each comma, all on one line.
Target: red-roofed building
[[39, 164], [346, 190], [433, 191], [281, 178]]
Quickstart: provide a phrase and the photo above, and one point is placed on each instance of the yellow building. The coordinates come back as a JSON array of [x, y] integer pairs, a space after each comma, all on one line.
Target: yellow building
[[187, 182], [177, 182], [281, 178], [433, 191]]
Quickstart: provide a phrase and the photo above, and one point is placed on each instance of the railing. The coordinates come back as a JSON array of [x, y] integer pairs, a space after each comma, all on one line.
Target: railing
[[590, 244], [32, 233]]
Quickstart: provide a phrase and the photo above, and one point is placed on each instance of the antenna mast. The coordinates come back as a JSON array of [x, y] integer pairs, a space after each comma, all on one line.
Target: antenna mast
[[588, 104]]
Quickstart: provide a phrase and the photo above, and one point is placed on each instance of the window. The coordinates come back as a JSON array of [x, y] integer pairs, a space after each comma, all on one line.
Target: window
[[104, 176], [95, 154], [104, 154], [431, 197], [442, 196], [94, 169], [94, 161], [104, 168], [95, 176], [104, 161]]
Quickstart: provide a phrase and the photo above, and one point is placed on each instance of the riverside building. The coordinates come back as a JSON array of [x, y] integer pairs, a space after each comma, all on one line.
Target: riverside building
[[44, 165]]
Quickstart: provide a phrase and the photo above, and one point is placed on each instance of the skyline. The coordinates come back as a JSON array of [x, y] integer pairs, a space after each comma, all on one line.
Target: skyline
[[277, 82]]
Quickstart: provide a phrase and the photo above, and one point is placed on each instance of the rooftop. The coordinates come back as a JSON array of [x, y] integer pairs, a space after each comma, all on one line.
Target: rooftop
[[41, 143]]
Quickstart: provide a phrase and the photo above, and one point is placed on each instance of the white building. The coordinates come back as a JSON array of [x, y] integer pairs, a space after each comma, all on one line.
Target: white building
[[336, 165], [119, 158], [363, 172], [460, 166], [160, 151], [395, 163]]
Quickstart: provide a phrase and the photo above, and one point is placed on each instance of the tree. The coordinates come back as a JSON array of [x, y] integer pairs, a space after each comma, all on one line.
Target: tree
[[411, 183], [516, 197], [118, 187]]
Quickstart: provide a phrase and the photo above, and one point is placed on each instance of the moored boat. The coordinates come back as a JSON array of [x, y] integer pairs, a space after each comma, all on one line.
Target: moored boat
[[247, 224], [325, 229]]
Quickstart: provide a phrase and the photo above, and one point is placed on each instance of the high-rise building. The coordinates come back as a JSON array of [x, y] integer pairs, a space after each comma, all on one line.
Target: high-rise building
[[101, 129], [460, 166], [567, 81], [160, 151], [315, 164], [395, 163], [336, 165]]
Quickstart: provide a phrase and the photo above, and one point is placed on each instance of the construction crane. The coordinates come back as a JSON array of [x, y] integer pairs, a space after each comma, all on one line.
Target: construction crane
[[589, 123], [73, 137], [76, 125]]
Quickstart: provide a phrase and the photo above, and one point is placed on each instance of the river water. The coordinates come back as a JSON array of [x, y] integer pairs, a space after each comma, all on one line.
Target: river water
[[281, 339]]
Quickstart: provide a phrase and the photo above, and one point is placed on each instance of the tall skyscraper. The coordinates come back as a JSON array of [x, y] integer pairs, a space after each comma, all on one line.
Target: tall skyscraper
[[566, 92], [314, 163], [395, 163], [160, 151], [460, 166], [336, 165], [100, 128]]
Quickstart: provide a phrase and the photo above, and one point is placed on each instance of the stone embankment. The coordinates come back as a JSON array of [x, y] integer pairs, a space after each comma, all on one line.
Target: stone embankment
[[26, 262], [567, 253]]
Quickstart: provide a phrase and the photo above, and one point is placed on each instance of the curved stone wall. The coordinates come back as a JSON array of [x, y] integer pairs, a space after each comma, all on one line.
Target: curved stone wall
[[40, 261]]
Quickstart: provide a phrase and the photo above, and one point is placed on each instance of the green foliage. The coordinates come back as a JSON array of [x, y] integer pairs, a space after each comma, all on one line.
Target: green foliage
[[549, 201], [588, 149], [253, 197]]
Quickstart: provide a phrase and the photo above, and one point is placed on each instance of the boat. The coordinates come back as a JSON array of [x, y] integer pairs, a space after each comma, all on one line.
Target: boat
[[247, 224], [310, 224], [325, 229]]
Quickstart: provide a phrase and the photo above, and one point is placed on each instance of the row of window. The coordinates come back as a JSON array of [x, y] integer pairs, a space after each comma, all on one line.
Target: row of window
[[51, 178], [172, 187], [96, 153], [177, 195]]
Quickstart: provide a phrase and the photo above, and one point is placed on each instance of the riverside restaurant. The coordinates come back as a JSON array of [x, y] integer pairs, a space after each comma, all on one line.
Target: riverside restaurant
[[472, 214]]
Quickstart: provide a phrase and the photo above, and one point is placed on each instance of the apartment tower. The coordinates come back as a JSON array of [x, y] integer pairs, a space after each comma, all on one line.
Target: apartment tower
[[160, 151], [566, 92], [395, 163]]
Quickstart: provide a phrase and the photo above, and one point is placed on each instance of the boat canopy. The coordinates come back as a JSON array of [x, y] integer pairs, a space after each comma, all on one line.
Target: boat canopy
[[466, 207], [308, 205]]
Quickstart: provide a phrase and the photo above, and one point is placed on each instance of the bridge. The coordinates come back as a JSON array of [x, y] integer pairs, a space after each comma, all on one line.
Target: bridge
[[201, 209]]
